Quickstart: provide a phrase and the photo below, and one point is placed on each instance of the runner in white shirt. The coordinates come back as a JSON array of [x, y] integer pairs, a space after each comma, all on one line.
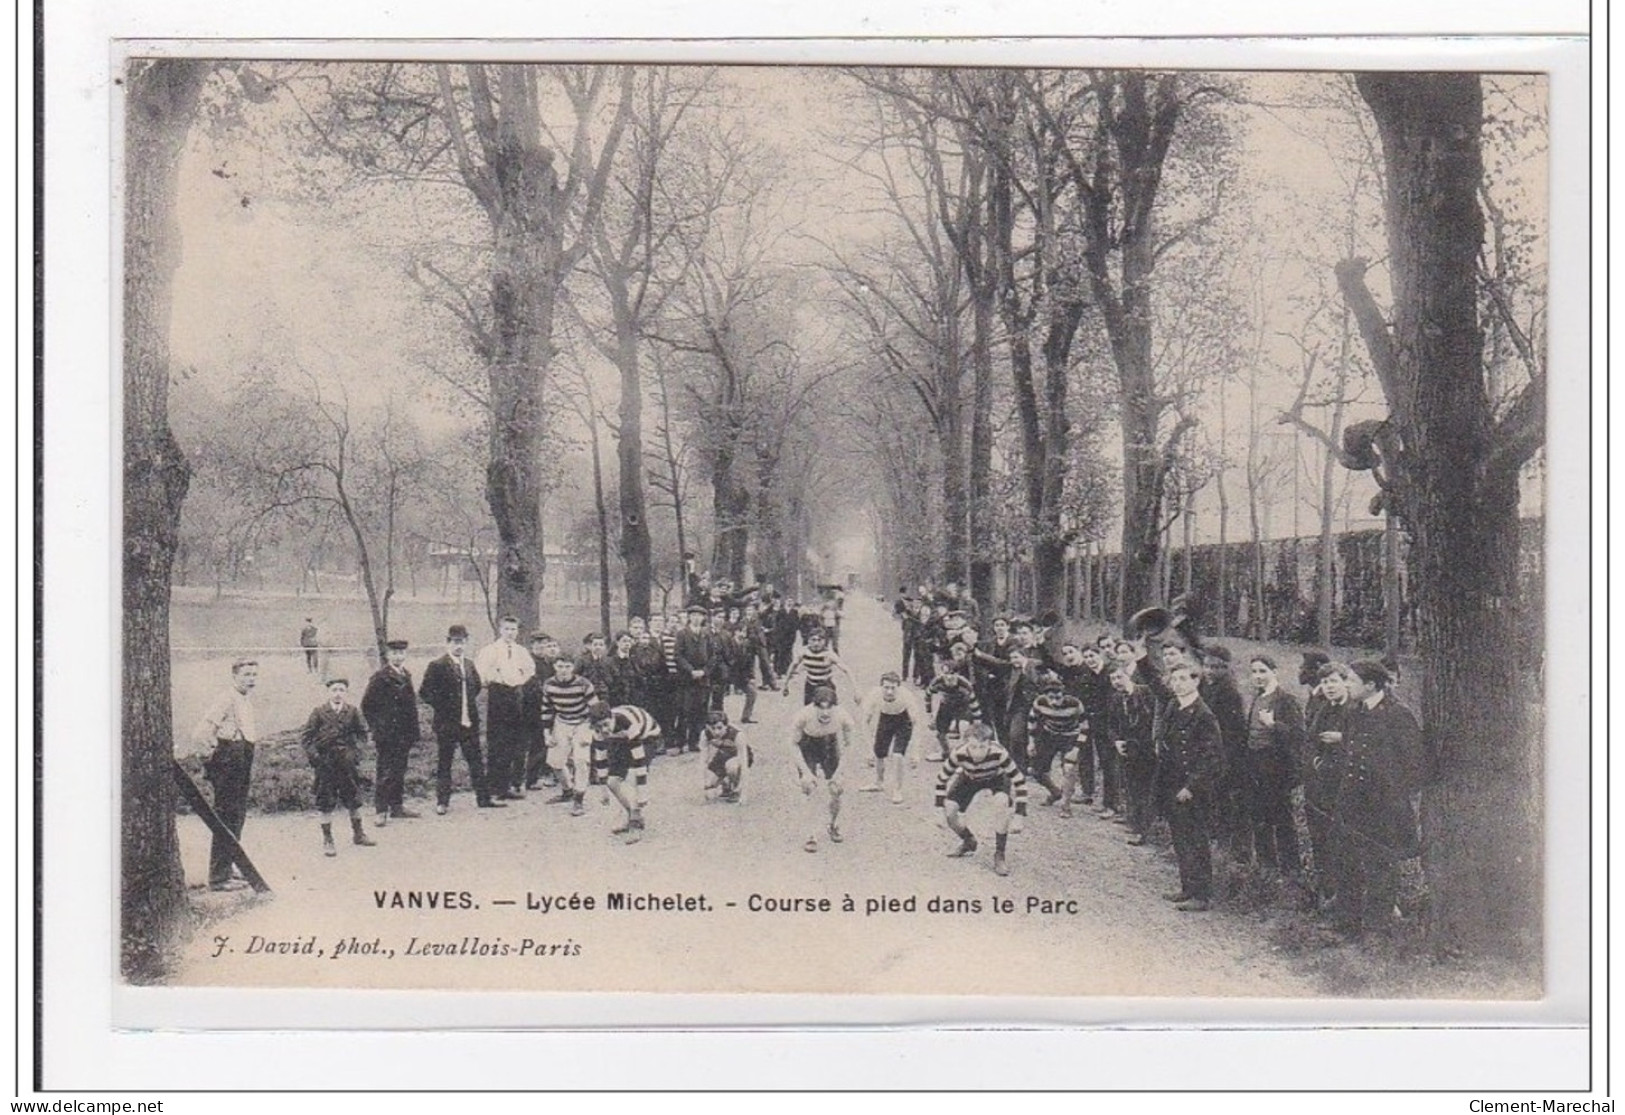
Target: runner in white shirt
[[819, 734], [890, 712]]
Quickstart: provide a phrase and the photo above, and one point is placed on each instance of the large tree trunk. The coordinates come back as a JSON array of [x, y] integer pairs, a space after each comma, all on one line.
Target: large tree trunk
[[525, 277], [956, 506], [981, 447], [1222, 605], [162, 103], [601, 506], [1138, 115], [669, 458], [731, 512], [1142, 499], [522, 302], [636, 546], [1454, 471]]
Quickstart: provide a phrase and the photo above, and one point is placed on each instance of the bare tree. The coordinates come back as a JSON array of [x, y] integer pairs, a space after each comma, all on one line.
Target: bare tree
[[1448, 458], [456, 521], [673, 174], [1120, 179], [910, 294], [672, 476], [499, 132], [729, 331], [314, 454]]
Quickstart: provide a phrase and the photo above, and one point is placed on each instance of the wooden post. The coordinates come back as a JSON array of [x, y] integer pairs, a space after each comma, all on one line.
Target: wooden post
[[200, 805]]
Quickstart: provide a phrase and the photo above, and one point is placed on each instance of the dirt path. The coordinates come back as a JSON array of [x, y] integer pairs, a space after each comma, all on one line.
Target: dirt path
[[1085, 916]]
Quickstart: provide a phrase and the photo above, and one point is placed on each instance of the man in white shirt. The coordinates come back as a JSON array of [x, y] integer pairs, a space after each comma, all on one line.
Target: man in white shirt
[[890, 713], [505, 667], [229, 724], [819, 734]]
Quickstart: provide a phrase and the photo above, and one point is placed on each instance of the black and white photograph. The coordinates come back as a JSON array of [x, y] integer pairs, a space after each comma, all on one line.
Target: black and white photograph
[[1000, 531]]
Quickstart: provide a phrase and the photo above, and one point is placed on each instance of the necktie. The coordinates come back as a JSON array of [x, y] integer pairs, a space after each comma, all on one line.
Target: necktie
[[462, 689]]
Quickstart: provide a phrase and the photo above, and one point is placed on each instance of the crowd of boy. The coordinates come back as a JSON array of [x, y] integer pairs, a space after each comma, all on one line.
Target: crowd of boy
[[1143, 730], [1149, 730]]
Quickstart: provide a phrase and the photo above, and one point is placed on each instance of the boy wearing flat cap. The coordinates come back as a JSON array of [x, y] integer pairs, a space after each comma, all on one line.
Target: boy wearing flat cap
[[332, 741], [390, 707]]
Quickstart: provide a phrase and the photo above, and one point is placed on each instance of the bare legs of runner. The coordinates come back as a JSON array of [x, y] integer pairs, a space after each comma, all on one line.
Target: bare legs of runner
[[967, 840]]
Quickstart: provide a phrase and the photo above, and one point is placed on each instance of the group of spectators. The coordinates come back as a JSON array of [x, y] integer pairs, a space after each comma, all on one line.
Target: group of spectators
[[673, 670], [1158, 730]]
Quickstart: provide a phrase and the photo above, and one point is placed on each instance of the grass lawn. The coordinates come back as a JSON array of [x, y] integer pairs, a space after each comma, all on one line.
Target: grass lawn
[[208, 634]]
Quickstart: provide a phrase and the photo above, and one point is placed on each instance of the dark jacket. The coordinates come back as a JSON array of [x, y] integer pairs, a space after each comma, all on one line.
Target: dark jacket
[[601, 672], [649, 665], [333, 737], [439, 692], [784, 627], [1128, 718], [1323, 773], [531, 714], [621, 684], [1221, 696], [1381, 767], [1189, 750], [391, 707], [696, 650], [1286, 734], [1095, 691]]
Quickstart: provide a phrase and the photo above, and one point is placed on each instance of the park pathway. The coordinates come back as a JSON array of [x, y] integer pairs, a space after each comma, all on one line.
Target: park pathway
[[1084, 913]]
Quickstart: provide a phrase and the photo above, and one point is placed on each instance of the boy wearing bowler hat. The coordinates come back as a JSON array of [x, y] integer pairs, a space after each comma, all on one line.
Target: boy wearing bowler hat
[[450, 686]]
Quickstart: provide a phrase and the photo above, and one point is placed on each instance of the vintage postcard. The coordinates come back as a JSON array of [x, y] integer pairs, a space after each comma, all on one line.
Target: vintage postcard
[[1025, 530]]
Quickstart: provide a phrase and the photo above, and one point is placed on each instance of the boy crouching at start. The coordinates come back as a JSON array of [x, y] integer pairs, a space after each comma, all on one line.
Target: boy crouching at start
[[977, 764], [620, 746], [726, 757]]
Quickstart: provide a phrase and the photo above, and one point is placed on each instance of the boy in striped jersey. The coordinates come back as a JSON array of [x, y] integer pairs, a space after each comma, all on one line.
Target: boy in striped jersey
[[958, 696], [979, 763], [1055, 727], [564, 708], [820, 663], [620, 744]]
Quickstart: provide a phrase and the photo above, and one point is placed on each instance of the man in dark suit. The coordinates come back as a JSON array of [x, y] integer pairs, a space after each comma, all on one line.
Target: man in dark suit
[[1232, 816], [1188, 750], [450, 685], [1373, 823], [390, 708], [697, 658], [1274, 744]]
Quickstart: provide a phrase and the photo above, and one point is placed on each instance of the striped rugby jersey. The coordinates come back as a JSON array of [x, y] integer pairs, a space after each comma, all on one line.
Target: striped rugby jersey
[[630, 722], [668, 648], [820, 667], [566, 701], [993, 768], [1056, 717], [631, 726]]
